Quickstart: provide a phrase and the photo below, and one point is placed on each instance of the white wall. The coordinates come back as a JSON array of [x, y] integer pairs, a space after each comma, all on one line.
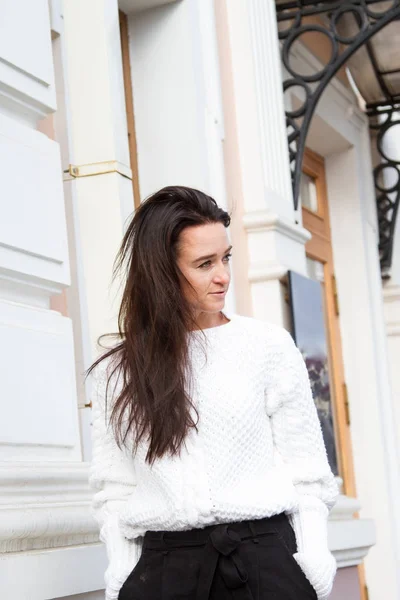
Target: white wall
[[168, 100], [365, 364], [340, 133], [44, 493], [34, 261]]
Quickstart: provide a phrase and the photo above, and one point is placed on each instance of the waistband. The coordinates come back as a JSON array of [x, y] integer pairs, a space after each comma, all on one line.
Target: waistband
[[220, 551], [162, 540]]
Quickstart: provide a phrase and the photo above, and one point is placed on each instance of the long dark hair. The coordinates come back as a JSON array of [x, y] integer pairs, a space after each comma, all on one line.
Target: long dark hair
[[153, 321]]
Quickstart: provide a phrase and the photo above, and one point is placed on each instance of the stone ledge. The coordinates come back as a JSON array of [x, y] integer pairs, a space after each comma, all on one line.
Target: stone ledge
[[350, 538], [45, 575], [45, 505]]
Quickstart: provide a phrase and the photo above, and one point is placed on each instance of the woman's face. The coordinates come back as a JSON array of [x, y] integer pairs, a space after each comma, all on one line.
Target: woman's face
[[203, 259]]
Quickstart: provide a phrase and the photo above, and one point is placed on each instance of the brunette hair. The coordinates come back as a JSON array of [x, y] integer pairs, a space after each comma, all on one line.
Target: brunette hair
[[153, 321]]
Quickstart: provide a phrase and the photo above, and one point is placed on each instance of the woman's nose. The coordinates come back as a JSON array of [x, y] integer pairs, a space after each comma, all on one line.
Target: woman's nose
[[222, 275]]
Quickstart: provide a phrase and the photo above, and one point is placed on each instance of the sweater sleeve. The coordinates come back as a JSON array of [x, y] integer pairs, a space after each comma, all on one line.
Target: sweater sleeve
[[112, 478], [298, 440]]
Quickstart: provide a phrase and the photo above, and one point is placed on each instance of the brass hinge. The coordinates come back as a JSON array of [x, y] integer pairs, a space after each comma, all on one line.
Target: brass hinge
[[346, 403], [366, 592], [335, 295]]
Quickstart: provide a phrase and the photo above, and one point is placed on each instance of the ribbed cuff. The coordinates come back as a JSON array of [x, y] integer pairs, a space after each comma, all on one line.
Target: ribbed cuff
[[123, 555], [320, 571], [310, 524]]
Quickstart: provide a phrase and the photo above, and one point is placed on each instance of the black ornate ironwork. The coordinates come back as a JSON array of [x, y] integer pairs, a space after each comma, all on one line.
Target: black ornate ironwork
[[387, 180], [293, 23]]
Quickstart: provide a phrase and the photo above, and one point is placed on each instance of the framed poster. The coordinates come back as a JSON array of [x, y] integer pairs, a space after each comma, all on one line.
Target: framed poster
[[310, 335]]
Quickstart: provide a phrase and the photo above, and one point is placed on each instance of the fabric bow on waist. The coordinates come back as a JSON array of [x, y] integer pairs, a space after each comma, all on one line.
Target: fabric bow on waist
[[221, 553]]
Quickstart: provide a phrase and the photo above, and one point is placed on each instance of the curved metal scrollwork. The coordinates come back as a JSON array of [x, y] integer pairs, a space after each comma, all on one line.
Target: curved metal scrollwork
[[387, 179], [293, 23]]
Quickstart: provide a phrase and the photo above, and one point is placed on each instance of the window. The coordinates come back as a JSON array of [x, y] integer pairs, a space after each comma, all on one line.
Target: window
[[308, 192]]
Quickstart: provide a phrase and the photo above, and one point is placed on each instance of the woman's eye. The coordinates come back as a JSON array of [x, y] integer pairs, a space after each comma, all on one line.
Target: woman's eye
[[208, 262]]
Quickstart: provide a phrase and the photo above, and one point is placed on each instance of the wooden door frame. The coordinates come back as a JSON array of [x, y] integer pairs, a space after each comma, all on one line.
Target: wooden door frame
[[320, 248], [130, 113]]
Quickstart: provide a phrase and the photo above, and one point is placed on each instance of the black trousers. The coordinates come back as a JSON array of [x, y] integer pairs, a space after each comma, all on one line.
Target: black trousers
[[247, 560]]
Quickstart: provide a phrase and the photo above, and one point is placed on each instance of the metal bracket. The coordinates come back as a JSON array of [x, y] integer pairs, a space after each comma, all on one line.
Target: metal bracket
[[293, 22], [387, 182], [99, 168]]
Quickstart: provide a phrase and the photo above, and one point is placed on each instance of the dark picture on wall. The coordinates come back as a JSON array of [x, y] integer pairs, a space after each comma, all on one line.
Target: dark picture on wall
[[309, 333]]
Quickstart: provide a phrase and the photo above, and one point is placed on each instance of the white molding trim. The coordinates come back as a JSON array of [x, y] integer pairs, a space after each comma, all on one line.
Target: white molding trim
[[283, 234], [24, 251], [350, 540], [135, 6], [48, 526], [267, 272], [391, 301], [21, 103], [285, 241], [393, 329], [269, 221], [391, 293], [344, 508], [26, 575], [26, 92], [31, 281], [45, 475], [45, 505]]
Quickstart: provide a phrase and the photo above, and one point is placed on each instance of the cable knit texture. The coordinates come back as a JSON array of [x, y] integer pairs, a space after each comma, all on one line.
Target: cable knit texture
[[258, 451]]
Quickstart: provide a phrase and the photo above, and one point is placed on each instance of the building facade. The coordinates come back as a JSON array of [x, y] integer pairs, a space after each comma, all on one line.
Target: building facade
[[103, 102]]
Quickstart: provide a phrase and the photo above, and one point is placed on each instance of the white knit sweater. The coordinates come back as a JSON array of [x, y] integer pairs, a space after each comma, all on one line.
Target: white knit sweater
[[258, 452]]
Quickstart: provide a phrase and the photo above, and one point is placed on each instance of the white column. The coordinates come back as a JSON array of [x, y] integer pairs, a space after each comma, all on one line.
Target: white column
[[99, 185], [51, 529], [34, 261], [99, 200], [270, 107], [365, 357], [43, 484], [257, 160]]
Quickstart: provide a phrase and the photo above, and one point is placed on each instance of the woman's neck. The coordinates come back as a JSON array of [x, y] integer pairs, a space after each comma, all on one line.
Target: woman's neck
[[208, 320]]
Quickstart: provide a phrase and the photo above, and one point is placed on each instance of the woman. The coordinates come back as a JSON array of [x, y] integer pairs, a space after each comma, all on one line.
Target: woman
[[211, 473]]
